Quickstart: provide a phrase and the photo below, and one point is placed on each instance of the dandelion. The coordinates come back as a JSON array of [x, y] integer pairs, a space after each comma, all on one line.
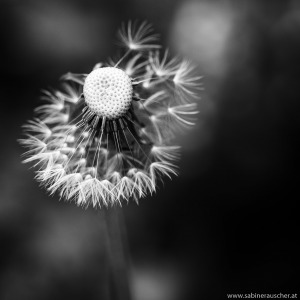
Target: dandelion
[[107, 135]]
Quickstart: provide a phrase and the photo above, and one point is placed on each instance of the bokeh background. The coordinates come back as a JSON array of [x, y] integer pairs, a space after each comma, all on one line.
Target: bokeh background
[[229, 223]]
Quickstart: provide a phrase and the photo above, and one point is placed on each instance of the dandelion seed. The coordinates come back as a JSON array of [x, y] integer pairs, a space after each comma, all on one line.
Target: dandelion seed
[[163, 67], [136, 37], [107, 136]]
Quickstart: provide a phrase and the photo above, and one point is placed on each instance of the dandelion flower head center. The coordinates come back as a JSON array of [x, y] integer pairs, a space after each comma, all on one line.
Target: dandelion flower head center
[[108, 92]]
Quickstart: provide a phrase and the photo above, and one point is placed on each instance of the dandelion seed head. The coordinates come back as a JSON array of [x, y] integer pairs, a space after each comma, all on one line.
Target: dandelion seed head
[[108, 135]]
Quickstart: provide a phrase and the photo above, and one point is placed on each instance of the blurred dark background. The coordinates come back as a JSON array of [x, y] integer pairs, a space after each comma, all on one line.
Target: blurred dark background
[[229, 222]]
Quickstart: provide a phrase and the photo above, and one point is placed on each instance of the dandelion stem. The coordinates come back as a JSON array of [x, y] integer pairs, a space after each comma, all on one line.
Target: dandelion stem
[[118, 254]]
